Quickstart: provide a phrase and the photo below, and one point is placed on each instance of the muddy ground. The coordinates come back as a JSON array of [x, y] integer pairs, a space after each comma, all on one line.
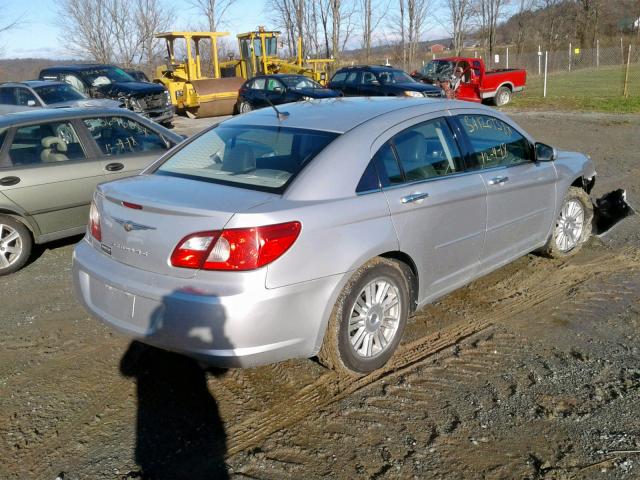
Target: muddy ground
[[532, 372]]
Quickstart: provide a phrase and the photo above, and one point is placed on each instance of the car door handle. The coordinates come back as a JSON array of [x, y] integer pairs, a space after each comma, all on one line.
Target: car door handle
[[114, 167], [498, 180], [8, 181], [414, 197]]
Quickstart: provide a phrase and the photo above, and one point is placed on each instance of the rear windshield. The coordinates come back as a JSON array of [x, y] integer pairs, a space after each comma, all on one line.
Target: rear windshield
[[259, 158]]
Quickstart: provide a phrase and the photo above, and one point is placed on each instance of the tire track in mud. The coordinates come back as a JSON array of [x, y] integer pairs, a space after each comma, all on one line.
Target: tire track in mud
[[332, 387], [243, 395], [485, 368]]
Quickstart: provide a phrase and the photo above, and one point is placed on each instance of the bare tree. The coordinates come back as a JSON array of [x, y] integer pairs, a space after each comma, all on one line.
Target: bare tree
[[371, 13], [459, 12], [488, 13], [108, 31], [213, 10], [409, 21]]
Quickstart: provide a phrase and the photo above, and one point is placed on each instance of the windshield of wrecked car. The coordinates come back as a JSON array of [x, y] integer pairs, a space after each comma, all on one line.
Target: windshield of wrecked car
[[58, 93], [255, 157], [438, 68], [298, 83], [106, 75], [394, 76]]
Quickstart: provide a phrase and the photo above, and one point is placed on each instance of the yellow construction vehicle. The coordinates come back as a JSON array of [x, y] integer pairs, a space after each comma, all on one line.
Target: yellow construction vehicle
[[259, 56], [191, 92]]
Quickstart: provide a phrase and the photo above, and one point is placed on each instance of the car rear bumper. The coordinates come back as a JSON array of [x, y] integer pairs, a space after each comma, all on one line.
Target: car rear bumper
[[237, 328]]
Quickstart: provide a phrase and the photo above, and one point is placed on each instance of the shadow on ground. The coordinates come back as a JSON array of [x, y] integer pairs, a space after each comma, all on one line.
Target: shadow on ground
[[179, 431]]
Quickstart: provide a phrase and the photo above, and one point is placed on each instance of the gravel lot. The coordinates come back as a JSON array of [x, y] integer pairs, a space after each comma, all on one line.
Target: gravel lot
[[531, 372]]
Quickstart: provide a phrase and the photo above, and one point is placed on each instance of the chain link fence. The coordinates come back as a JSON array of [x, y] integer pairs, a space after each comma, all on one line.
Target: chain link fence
[[597, 73]]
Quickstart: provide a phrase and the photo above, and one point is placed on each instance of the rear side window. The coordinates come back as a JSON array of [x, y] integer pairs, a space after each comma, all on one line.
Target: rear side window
[[369, 181], [494, 142], [388, 168], [8, 96], [117, 136], [257, 84], [427, 150], [45, 143], [339, 77], [351, 78], [260, 158]]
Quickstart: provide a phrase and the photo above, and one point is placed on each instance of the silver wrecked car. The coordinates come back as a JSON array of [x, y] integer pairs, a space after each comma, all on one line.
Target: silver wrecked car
[[317, 231]]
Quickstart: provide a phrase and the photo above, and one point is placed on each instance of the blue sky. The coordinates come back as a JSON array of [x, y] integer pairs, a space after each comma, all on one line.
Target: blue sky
[[39, 35]]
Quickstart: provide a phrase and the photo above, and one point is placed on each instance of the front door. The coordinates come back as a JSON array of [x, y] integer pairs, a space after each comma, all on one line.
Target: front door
[[50, 175], [438, 210], [520, 192]]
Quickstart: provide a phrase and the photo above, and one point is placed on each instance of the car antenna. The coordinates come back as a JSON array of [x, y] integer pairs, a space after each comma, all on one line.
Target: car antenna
[[281, 115]]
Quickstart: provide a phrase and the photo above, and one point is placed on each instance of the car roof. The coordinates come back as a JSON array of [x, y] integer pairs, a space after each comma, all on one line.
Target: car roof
[[44, 114], [281, 75], [370, 67], [31, 83], [342, 114], [78, 67]]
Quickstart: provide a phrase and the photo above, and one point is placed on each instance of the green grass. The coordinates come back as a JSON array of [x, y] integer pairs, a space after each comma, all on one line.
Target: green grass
[[589, 90]]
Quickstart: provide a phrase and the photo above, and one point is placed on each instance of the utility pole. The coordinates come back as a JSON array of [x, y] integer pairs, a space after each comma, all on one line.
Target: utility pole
[[625, 91]]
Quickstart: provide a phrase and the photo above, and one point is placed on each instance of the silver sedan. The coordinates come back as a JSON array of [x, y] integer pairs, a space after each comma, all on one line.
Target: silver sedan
[[319, 230]]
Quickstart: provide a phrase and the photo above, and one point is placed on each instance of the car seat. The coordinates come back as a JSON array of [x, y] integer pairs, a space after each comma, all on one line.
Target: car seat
[[52, 150], [239, 159], [412, 150]]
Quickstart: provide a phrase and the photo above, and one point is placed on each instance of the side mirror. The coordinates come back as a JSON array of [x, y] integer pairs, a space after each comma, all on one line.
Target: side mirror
[[545, 153], [31, 103]]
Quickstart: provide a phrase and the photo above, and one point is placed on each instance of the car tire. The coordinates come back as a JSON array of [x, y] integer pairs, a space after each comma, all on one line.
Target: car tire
[[502, 97], [245, 107], [359, 347], [15, 245], [573, 225]]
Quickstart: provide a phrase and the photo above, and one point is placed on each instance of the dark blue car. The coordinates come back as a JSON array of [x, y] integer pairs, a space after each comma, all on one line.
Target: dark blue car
[[263, 90]]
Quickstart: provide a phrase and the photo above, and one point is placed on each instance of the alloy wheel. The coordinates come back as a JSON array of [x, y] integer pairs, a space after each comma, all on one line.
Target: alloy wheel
[[10, 245], [569, 226], [374, 318]]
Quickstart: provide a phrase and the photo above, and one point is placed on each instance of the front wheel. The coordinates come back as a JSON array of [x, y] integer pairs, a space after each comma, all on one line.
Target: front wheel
[[15, 245], [368, 319], [503, 96], [573, 225]]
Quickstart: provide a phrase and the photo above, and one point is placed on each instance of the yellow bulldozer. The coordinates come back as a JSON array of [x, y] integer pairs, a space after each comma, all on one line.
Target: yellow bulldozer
[[192, 92], [259, 56], [198, 95]]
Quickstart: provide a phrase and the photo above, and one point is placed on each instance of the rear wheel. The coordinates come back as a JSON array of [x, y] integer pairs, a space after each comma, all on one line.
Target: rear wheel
[[368, 319], [503, 96], [15, 245], [245, 107], [573, 225]]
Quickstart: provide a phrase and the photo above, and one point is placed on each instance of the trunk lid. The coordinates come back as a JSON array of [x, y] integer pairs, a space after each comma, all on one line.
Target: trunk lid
[[172, 208]]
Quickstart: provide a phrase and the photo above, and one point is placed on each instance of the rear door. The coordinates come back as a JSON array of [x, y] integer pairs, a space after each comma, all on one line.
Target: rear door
[[47, 172], [369, 85], [438, 209], [520, 192], [123, 146]]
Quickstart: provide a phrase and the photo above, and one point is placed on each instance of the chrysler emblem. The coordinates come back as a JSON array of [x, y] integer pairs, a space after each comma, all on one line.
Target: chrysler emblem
[[130, 226]]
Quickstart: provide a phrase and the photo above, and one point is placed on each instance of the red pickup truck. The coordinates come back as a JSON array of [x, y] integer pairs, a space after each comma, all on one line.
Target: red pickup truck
[[477, 84]]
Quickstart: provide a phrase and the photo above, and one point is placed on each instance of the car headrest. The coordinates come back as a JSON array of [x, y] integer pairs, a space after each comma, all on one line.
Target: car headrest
[[48, 142]]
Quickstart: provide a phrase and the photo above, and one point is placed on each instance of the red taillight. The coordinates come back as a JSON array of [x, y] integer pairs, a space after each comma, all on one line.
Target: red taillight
[[237, 248], [94, 222], [135, 206]]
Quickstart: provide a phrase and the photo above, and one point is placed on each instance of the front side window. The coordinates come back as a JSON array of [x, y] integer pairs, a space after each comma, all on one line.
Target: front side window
[[427, 150], [122, 136], [274, 85], [259, 158], [75, 82], [45, 143], [368, 78], [494, 142], [394, 76], [300, 82]]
